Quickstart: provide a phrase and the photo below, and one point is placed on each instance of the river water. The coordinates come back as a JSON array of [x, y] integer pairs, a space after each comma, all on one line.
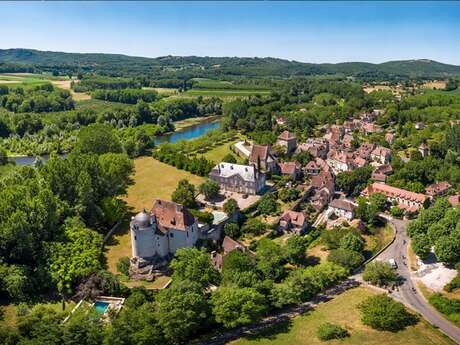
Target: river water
[[187, 133]]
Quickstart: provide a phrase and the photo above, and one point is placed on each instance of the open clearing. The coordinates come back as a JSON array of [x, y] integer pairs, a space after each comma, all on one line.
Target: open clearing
[[65, 84], [153, 179], [342, 310], [225, 93]]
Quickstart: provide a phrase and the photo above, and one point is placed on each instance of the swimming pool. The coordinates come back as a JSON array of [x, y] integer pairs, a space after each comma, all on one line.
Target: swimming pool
[[101, 307]]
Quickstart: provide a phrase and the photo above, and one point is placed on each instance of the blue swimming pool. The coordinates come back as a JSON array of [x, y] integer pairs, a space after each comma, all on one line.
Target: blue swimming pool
[[101, 307]]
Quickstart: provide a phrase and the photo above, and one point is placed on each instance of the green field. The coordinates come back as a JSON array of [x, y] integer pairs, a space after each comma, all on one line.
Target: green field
[[455, 92], [26, 79], [226, 93], [342, 310]]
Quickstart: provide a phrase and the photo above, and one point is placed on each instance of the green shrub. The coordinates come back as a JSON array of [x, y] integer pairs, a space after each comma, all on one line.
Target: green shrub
[[123, 265], [329, 331]]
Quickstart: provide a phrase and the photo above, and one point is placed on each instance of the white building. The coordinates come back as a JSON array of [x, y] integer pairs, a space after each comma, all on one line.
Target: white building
[[158, 234], [343, 208], [238, 178]]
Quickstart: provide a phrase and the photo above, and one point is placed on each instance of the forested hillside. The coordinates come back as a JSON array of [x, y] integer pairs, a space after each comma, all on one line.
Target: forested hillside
[[194, 66]]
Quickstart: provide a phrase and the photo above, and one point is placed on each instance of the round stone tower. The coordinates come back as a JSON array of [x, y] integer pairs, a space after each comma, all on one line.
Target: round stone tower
[[142, 235]]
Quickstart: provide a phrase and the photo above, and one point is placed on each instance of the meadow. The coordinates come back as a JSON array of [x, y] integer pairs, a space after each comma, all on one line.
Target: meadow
[[343, 310]]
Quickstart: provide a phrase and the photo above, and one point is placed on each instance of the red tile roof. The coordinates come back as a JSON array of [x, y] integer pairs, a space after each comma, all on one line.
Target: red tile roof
[[454, 200], [230, 244], [289, 167], [170, 215], [438, 188], [296, 218], [343, 205], [286, 135], [394, 192]]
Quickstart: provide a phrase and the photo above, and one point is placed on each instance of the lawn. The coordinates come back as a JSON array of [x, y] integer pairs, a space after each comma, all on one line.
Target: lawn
[[376, 241], [342, 310], [218, 153], [152, 179]]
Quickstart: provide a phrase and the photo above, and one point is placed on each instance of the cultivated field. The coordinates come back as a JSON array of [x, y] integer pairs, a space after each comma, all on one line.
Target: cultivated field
[[435, 84], [342, 310], [65, 84]]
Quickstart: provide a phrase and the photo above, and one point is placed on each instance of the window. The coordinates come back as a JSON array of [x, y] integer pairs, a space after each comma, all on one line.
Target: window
[[187, 233], [171, 235], [135, 237]]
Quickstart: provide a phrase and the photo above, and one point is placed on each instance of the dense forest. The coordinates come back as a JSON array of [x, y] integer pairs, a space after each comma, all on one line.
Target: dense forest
[[177, 67]]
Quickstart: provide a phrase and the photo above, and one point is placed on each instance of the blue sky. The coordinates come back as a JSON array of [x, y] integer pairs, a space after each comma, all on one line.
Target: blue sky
[[303, 31]]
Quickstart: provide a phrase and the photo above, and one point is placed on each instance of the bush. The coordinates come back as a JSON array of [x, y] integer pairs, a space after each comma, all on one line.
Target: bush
[[381, 312], [123, 265], [329, 331], [445, 305], [396, 212], [453, 285]]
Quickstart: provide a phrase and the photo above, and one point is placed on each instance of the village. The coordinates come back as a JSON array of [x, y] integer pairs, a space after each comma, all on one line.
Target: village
[[168, 226]]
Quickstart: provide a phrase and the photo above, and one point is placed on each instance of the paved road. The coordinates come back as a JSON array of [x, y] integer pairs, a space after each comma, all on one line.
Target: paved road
[[408, 292]]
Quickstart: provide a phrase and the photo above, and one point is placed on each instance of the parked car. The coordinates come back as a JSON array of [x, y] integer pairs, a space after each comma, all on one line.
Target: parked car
[[393, 263]]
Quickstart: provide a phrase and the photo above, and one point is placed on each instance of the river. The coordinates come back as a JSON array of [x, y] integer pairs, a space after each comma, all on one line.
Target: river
[[187, 133]]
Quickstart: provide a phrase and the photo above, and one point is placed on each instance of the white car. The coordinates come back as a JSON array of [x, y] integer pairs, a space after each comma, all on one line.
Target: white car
[[393, 263]]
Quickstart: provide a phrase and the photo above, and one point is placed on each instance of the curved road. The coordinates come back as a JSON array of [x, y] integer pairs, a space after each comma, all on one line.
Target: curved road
[[408, 292]]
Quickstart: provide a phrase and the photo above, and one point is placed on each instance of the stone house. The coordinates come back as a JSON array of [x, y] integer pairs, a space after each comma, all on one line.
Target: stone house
[[381, 155], [438, 189], [381, 173], [343, 208], [238, 178], [405, 199], [262, 157], [287, 140], [292, 169], [292, 221]]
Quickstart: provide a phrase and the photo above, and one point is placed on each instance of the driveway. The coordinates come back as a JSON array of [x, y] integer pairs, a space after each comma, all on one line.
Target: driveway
[[408, 292]]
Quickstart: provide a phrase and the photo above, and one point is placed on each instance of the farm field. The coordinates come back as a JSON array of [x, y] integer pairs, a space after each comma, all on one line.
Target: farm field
[[342, 310], [225, 93], [65, 84], [24, 79]]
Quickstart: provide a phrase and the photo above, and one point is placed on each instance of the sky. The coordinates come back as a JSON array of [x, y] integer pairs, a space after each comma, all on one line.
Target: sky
[[303, 31]]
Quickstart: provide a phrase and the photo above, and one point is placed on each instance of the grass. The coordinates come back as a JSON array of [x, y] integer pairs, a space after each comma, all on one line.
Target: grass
[[218, 153], [153, 179], [192, 121], [342, 310], [413, 265]]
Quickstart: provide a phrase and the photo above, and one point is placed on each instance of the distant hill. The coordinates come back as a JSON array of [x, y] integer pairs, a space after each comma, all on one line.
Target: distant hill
[[180, 66]]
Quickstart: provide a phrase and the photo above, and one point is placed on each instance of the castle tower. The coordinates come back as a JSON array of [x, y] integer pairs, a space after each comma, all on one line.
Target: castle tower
[[143, 235]]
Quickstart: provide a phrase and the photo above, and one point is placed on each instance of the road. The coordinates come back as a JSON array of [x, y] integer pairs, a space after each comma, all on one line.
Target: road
[[408, 292]]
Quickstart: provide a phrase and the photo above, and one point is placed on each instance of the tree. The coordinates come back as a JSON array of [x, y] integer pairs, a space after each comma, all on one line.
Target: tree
[[329, 331], [229, 158], [83, 329], [352, 241], [353, 182], [267, 204], [254, 226], [210, 189], [346, 258], [447, 248], [75, 258], [194, 265], [3, 156], [230, 206], [295, 249], [98, 139], [381, 312], [184, 194], [115, 170], [181, 310], [232, 230], [270, 259], [233, 307], [379, 273], [239, 270]]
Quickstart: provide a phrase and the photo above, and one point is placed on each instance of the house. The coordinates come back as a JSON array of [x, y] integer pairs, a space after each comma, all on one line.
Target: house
[[287, 140], [369, 128], [365, 151], [159, 233], [292, 221], [318, 148], [238, 178], [262, 157], [228, 245], [343, 208], [340, 161], [312, 168], [347, 141], [438, 189], [323, 187], [349, 126], [359, 162], [381, 155], [407, 200], [291, 169], [424, 150], [381, 173]]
